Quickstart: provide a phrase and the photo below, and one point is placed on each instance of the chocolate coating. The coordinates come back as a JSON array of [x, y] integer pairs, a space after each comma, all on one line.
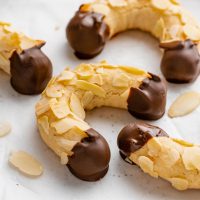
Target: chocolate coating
[[87, 34], [149, 100], [180, 62], [91, 157], [30, 70], [135, 135]]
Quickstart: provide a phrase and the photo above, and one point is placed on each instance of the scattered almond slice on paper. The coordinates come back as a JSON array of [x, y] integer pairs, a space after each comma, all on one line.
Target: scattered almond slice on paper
[[26, 163], [184, 104], [5, 128]]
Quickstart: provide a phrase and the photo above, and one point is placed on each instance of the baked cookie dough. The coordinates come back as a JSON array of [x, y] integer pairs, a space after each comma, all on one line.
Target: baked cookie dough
[[159, 155], [178, 32], [21, 57], [61, 111]]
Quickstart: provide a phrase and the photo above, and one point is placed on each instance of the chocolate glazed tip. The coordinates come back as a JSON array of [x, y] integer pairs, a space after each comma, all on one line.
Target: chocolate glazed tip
[[91, 157], [30, 70], [149, 100], [87, 34], [135, 135], [181, 61]]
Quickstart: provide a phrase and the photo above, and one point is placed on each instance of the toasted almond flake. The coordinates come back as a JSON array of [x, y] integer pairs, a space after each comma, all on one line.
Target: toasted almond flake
[[26, 163], [66, 76], [87, 98], [174, 31], [160, 4], [154, 147], [121, 80], [191, 32], [54, 91], [184, 104], [147, 165], [100, 70], [183, 143], [84, 71], [96, 79], [5, 128], [159, 29], [64, 125], [84, 85], [179, 183], [60, 107], [64, 158], [75, 134], [44, 123], [42, 106], [191, 158], [133, 70], [76, 107], [117, 3], [66, 144]]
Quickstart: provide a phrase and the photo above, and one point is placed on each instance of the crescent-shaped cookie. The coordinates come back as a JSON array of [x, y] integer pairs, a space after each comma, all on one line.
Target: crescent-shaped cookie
[[61, 111], [21, 57], [178, 32], [159, 155]]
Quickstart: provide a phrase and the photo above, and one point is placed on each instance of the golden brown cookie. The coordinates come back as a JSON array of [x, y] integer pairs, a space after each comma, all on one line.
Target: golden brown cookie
[[178, 32], [61, 111]]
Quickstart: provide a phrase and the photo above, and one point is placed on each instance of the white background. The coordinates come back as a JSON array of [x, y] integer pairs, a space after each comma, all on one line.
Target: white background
[[47, 19]]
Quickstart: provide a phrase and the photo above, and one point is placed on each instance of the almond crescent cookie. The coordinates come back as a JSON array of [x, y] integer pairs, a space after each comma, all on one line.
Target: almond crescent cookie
[[61, 111], [178, 32], [157, 154], [21, 57]]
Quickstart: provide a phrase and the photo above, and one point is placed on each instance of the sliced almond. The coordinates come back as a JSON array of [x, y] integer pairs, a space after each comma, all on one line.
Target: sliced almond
[[182, 142], [174, 31], [55, 90], [66, 144], [44, 124], [96, 79], [147, 165], [64, 158], [87, 98], [160, 4], [121, 80], [184, 104], [76, 107], [179, 183], [100, 8], [154, 147], [117, 3], [60, 108], [192, 32], [191, 158], [64, 125], [159, 29], [5, 128], [66, 76], [26, 163], [97, 90], [133, 70], [84, 71], [75, 134], [42, 106]]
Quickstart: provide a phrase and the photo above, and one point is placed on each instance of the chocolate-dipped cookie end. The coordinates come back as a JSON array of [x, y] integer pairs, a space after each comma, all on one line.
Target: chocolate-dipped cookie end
[[91, 157], [149, 100], [30, 71], [87, 34], [135, 135], [180, 62]]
